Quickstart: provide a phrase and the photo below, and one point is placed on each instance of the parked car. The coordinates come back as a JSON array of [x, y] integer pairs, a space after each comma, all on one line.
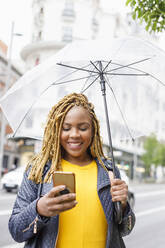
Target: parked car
[[12, 179], [131, 196]]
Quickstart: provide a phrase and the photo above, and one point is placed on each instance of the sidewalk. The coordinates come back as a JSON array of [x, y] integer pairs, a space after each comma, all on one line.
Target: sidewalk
[[13, 246]]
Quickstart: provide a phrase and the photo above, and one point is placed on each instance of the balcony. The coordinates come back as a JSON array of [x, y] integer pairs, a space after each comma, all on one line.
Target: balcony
[[68, 15]]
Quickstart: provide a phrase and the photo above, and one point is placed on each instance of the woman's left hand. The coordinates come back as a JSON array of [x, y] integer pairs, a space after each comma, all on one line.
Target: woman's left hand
[[119, 190]]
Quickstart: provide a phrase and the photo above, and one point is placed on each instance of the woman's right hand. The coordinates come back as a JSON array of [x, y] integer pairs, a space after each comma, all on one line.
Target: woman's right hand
[[52, 203]]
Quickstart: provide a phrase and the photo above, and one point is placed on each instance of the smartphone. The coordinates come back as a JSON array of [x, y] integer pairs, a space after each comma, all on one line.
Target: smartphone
[[65, 178]]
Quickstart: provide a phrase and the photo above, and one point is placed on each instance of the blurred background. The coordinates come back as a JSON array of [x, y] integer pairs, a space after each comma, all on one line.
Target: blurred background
[[33, 30]]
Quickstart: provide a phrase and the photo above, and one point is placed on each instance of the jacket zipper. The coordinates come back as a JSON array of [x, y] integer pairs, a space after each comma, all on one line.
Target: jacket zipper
[[34, 228]]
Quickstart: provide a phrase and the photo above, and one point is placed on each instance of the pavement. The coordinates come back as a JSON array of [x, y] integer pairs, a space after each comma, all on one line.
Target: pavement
[[13, 246]]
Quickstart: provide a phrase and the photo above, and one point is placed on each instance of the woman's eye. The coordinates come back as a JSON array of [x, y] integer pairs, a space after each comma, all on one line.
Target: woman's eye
[[65, 128], [83, 128]]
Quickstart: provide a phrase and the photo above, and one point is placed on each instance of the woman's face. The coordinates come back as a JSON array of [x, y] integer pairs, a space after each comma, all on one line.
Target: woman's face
[[76, 134]]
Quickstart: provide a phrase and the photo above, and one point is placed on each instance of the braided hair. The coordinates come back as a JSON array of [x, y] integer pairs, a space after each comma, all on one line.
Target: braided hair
[[51, 148]]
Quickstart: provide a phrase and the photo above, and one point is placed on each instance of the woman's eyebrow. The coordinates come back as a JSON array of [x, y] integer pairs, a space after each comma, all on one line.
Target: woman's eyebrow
[[84, 123], [80, 123]]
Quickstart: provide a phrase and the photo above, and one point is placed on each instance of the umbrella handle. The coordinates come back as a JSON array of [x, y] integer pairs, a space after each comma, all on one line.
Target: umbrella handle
[[118, 212]]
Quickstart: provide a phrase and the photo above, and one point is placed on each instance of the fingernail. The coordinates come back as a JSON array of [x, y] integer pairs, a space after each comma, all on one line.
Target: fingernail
[[75, 202], [62, 186]]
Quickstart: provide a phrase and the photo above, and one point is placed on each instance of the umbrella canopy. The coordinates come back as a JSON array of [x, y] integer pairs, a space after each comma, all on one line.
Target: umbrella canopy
[[130, 72], [133, 71]]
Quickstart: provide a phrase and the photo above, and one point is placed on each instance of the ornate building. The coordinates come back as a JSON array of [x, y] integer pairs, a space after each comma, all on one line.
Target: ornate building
[[58, 22], [55, 23]]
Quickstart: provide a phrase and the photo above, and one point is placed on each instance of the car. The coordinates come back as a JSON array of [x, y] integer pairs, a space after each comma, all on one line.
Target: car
[[131, 196], [12, 179]]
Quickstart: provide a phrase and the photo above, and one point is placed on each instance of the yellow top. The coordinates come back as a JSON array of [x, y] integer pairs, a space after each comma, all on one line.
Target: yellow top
[[85, 225]]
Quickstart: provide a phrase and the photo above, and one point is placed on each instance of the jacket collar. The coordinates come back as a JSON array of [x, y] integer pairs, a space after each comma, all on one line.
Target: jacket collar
[[103, 177]]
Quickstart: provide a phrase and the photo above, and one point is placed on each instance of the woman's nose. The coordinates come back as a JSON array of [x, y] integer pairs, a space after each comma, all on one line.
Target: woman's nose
[[74, 132]]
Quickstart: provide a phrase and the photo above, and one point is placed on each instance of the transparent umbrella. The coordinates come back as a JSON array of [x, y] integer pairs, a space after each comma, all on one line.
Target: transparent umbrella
[[128, 73]]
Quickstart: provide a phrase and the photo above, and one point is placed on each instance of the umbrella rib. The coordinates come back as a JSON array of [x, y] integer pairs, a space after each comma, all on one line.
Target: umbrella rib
[[77, 68], [72, 80], [122, 115], [90, 84], [86, 81], [127, 74], [29, 111], [123, 66], [156, 79], [147, 74], [95, 66], [41, 94], [98, 68], [107, 65], [73, 72]]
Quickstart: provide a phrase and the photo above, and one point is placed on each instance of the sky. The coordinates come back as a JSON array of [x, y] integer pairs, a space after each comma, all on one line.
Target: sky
[[19, 12]]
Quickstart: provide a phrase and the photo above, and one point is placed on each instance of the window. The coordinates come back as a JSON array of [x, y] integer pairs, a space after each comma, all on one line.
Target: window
[[40, 35], [37, 61], [69, 9], [69, 5], [5, 161], [16, 161], [67, 34], [42, 10]]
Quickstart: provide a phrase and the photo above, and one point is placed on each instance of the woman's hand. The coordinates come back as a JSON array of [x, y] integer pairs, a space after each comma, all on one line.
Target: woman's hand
[[52, 203], [119, 190]]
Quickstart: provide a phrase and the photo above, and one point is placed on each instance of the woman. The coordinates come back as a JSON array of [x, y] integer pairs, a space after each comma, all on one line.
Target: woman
[[41, 216]]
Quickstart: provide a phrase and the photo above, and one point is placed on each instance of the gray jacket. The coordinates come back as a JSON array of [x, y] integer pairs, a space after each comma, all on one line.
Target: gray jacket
[[27, 226]]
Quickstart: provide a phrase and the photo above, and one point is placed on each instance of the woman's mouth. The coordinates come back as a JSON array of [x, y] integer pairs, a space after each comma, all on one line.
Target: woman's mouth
[[74, 145]]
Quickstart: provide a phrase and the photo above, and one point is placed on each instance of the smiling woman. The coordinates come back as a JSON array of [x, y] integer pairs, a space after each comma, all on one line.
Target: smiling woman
[[42, 216], [76, 136]]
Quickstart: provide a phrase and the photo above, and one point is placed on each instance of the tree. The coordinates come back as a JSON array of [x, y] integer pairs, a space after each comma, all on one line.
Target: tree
[[150, 11], [161, 154], [150, 155]]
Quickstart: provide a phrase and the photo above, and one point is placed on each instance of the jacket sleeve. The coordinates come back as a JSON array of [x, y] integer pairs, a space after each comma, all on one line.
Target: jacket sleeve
[[25, 221], [128, 220]]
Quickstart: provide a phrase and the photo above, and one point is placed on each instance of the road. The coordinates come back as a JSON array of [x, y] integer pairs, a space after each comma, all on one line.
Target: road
[[149, 231], [6, 204]]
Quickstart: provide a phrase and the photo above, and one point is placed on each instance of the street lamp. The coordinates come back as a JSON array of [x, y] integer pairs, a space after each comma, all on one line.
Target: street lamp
[[7, 84]]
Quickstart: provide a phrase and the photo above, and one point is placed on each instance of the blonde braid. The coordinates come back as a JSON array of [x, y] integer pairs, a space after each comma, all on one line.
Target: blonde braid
[[51, 148]]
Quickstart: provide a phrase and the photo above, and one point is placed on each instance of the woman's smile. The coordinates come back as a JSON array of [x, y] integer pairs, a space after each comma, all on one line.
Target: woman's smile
[[76, 134], [74, 145]]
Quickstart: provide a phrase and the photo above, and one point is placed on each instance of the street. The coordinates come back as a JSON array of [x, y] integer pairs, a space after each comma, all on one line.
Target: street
[[149, 230], [6, 204]]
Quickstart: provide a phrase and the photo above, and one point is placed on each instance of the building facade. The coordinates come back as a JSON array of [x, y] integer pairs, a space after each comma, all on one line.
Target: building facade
[[58, 22], [11, 155]]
